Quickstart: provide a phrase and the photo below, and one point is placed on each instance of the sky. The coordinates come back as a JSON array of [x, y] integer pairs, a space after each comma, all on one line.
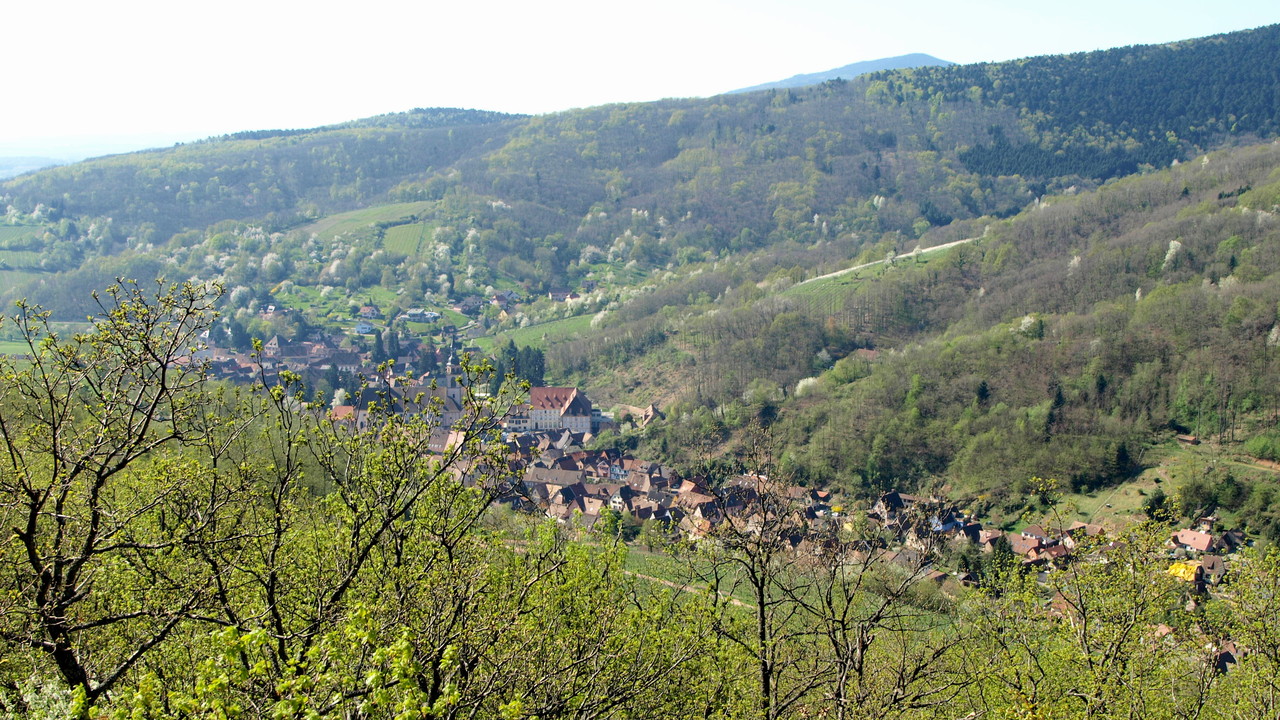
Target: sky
[[91, 77]]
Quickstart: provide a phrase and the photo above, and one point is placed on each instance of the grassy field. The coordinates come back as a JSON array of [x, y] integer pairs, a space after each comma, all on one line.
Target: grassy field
[[9, 233], [542, 334], [406, 240], [20, 258], [13, 347], [825, 294], [1116, 507], [358, 220], [671, 572], [1168, 467]]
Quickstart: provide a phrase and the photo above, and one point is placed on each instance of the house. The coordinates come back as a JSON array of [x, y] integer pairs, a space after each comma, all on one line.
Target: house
[[274, 347], [421, 315], [591, 506], [887, 507], [1214, 568], [987, 539], [504, 298], [369, 312], [965, 533], [346, 361], [318, 350], [621, 499], [1037, 532], [1025, 547], [553, 478], [470, 305], [937, 577], [343, 414], [1193, 541], [1054, 554], [1080, 533], [561, 295], [1232, 540], [696, 503], [364, 327], [1226, 656]]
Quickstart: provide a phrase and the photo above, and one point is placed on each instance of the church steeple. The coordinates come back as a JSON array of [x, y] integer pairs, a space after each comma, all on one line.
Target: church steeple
[[452, 371]]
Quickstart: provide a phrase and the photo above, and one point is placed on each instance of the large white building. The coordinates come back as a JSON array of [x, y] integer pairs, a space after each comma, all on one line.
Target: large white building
[[553, 408]]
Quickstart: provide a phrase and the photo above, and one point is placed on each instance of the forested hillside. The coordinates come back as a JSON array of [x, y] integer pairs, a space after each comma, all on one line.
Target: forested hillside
[[1059, 343], [691, 220], [889, 155]]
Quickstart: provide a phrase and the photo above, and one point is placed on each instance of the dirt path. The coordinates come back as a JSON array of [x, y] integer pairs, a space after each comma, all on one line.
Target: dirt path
[[903, 256], [686, 588], [1257, 463]]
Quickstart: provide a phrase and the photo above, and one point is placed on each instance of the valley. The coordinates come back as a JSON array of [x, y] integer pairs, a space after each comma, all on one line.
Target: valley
[[457, 413]]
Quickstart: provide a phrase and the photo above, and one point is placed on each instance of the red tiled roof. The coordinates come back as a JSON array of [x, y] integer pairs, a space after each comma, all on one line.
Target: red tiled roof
[[552, 398], [1194, 539]]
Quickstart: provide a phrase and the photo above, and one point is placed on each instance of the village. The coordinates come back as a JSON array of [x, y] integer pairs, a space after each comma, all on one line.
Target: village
[[564, 476], [549, 436]]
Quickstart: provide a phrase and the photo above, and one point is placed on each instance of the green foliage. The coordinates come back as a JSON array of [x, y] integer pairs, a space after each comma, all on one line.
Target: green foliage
[[181, 550], [1092, 652], [537, 199], [1158, 507], [185, 551], [1264, 445], [1129, 106]]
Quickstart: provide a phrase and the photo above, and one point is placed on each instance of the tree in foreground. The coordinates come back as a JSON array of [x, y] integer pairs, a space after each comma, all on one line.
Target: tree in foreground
[[185, 549], [102, 492], [830, 620]]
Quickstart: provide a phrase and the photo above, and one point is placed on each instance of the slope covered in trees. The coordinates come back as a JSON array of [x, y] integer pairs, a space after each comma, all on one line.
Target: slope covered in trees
[[895, 153], [1061, 343], [182, 550], [1102, 114]]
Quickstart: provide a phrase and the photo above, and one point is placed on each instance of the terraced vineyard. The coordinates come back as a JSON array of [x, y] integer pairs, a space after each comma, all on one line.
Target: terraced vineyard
[[358, 221], [406, 240], [543, 334], [20, 238]]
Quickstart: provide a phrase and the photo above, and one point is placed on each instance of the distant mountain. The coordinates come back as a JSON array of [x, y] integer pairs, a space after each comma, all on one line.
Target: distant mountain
[[14, 166], [417, 118], [848, 72]]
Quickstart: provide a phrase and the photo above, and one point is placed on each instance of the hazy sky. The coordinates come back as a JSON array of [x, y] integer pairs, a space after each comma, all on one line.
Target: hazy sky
[[152, 72]]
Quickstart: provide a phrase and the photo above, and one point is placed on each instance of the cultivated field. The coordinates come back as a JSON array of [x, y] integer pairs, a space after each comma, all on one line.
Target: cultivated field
[[357, 221]]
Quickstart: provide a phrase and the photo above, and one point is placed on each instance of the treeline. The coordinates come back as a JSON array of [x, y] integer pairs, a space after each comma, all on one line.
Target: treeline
[[1101, 113]]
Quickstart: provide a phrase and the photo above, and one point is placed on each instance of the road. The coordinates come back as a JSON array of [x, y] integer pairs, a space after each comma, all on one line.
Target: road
[[904, 256]]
